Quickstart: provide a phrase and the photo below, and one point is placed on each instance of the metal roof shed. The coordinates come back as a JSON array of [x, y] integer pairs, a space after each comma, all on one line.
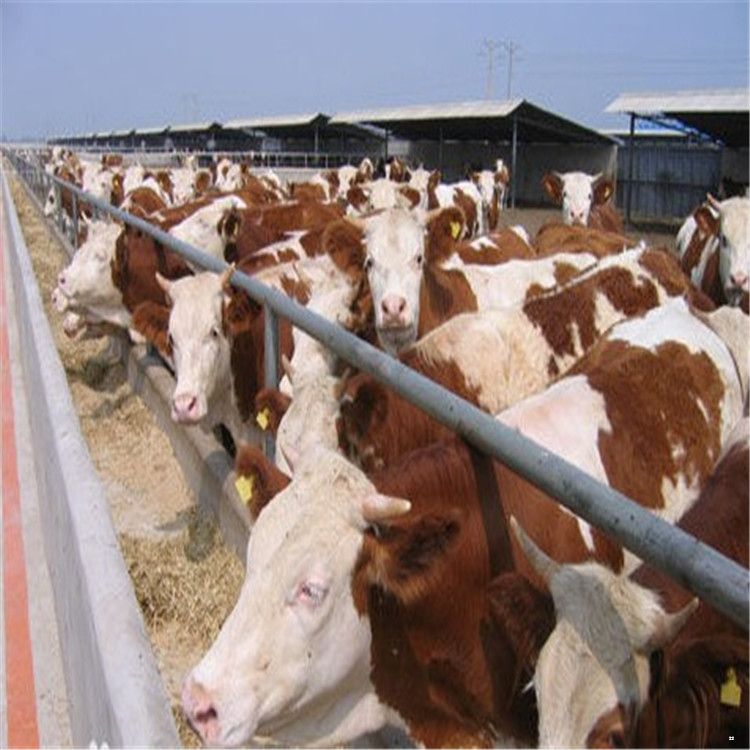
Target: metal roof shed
[[510, 120], [720, 114]]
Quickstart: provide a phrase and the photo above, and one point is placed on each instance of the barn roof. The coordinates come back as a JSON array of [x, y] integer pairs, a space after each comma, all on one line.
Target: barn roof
[[719, 113], [475, 121]]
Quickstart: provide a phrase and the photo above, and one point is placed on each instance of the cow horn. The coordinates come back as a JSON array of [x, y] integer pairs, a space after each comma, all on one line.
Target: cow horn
[[377, 507], [669, 626], [715, 203], [596, 177], [226, 275], [542, 563], [165, 285], [286, 365]]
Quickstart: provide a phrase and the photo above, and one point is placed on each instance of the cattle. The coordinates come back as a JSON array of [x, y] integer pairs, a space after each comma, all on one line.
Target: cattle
[[381, 194], [464, 195], [554, 237], [496, 358], [412, 280], [631, 663], [215, 335], [408, 552], [245, 231], [85, 286], [717, 252], [585, 199], [493, 187]]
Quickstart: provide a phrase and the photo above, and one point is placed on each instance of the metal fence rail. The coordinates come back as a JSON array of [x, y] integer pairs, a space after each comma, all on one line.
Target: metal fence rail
[[693, 564]]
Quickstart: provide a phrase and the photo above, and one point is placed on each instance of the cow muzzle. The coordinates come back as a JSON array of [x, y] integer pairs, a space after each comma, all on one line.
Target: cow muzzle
[[187, 408], [394, 312], [200, 711]]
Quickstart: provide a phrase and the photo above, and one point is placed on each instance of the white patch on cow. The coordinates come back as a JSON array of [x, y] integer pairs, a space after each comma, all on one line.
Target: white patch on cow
[[577, 197], [86, 285], [507, 283], [590, 663], [394, 241], [546, 419], [446, 197], [200, 229], [521, 232], [292, 661], [734, 250]]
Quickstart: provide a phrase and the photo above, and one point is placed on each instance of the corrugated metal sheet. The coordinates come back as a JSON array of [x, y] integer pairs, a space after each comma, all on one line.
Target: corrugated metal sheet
[[274, 121], [430, 111], [194, 126], [662, 102]]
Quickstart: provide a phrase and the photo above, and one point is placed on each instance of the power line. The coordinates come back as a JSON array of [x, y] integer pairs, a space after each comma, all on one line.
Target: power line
[[489, 49], [510, 48]]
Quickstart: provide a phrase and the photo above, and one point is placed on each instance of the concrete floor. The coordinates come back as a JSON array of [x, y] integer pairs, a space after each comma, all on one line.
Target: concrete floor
[[50, 701]]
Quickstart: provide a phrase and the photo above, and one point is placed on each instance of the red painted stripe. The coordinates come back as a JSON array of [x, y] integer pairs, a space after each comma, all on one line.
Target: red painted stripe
[[23, 730]]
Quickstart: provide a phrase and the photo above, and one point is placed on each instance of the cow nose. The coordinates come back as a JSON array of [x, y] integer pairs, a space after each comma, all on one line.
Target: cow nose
[[393, 307], [200, 710], [184, 407], [61, 279], [738, 279]]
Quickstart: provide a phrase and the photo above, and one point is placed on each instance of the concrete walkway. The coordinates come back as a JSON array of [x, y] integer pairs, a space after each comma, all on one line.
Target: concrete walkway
[[33, 702]]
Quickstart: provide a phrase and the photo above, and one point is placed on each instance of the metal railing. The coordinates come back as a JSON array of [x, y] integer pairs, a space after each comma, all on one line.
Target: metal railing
[[699, 568]]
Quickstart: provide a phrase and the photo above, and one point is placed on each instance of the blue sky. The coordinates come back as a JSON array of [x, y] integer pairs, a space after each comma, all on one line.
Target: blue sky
[[78, 67]]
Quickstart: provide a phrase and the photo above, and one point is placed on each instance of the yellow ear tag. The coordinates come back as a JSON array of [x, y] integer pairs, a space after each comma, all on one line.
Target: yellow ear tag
[[262, 419], [244, 486], [731, 692], [455, 229]]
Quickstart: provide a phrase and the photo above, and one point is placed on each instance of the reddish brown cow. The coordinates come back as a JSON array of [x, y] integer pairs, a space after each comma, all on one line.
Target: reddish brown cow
[[246, 231], [555, 237], [143, 202], [494, 359]]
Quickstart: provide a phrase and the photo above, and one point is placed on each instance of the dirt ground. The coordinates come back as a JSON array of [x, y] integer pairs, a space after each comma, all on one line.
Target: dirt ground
[[184, 601]]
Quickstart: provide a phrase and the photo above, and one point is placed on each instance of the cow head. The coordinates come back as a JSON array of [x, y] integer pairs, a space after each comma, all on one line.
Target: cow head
[[292, 660], [577, 192], [390, 250], [734, 246], [593, 673], [87, 280], [198, 342]]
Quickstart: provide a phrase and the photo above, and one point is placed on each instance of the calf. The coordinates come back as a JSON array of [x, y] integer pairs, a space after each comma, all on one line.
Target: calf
[[618, 670], [495, 358], [411, 552], [585, 199]]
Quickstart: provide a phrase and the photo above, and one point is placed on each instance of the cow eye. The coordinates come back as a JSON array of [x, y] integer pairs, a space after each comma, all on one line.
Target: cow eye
[[215, 332], [565, 195], [420, 259], [170, 340], [312, 594], [723, 240], [591, 195], [368, 263]]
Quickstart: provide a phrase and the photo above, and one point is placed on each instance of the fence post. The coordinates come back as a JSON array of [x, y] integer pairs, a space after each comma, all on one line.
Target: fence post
[[270, 366], [58, 196], [74, 239]]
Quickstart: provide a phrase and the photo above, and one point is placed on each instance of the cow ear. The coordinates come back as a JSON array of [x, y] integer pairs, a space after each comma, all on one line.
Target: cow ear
[[238, 312], [407, 197], [405, 554], [258, 478], [434, 179], [151, 320], [706, 221], [603, 190], [270, 406], [553, 186], [344, 242], [444, 227], [363, 406]]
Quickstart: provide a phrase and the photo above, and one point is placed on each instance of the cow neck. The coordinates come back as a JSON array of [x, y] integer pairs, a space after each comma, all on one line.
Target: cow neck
[[493, 518]]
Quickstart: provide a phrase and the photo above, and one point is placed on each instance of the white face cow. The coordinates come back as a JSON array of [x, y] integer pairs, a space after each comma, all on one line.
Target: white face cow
[[734, 247], [200, 348], [87, 280], [577, 192], [292, 661], [592, 675], [395, 256]]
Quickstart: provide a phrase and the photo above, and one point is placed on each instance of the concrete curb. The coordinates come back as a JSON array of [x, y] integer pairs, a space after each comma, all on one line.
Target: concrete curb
[[115, 692]]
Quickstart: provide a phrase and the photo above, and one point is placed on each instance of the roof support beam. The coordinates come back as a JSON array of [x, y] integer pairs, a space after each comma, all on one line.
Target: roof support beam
[[631, 158], [513, 162]]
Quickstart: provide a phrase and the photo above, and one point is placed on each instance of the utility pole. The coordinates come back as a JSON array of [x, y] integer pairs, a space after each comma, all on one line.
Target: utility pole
[[510, 47], [489, 49]]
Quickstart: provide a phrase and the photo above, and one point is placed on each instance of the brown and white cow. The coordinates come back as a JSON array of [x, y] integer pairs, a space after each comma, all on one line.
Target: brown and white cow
[[464, 195], [496, 358], [630, 662], [714, 248], [585, 199], [413, 278], [407, 551], [493, 187]]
